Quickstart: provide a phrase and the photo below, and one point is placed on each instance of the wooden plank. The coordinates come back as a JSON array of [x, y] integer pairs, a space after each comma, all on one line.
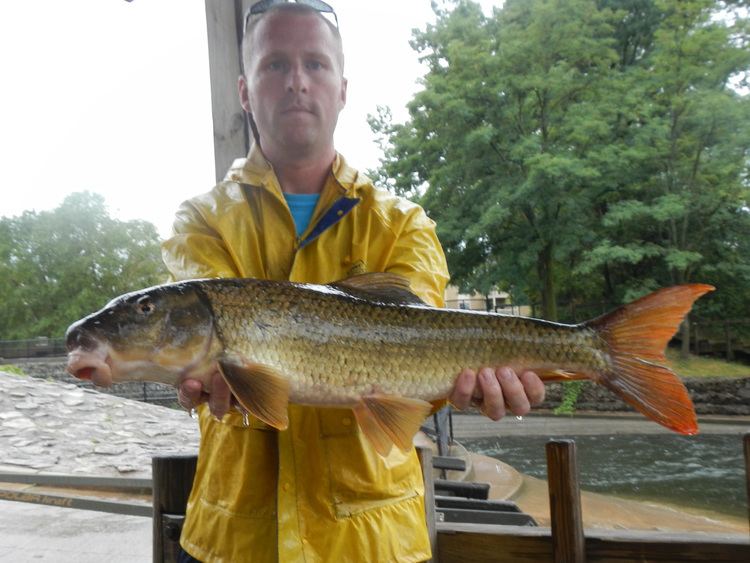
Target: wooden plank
[[81, 503], [471, 542], [450, 463], [565, 502], [224, 27], [466, 489], [82, 481], [458, 543], [425, 459], [173, 480]]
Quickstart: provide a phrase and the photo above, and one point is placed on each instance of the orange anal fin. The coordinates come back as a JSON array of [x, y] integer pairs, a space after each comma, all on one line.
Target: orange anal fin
[[387, 420], [655, 391], [636, 335], [260, 390]]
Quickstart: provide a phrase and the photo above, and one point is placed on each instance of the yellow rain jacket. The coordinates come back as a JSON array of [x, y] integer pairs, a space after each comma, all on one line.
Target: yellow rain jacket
[[317, 491]]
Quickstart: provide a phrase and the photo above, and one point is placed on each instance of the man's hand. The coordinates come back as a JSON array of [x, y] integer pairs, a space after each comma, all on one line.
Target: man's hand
[[494, 389], [190, 394]]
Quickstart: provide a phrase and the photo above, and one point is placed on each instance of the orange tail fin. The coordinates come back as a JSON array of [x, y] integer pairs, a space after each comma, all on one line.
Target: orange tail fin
[[637, 334]]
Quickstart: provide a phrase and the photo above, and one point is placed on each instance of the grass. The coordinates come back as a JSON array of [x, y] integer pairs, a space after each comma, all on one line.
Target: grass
[[10, 368], [700, 366]]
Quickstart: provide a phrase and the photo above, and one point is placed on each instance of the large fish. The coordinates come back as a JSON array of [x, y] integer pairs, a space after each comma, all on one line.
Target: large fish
[[368, 343]]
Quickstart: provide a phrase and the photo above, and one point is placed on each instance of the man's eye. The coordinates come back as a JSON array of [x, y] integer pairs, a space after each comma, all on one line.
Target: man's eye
[[276, 65], [314, 65]]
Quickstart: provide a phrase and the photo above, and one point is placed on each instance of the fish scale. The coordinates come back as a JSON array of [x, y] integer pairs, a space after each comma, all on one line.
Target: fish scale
[[351, 346]]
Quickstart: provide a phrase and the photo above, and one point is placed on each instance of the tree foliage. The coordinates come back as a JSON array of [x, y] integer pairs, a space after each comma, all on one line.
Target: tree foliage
[[57, 266], [582, 150]]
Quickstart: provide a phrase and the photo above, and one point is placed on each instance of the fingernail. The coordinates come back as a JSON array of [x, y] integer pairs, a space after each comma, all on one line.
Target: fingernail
[[506, 373]]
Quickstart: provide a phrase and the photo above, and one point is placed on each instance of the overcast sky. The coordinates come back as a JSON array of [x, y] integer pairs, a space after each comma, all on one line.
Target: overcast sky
[[114, 97]]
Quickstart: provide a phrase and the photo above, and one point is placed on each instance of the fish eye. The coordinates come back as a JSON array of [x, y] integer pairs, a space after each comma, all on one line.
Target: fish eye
[[144, 305]]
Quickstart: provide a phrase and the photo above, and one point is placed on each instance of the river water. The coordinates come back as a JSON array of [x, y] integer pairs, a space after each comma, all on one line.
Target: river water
[[705, 471]]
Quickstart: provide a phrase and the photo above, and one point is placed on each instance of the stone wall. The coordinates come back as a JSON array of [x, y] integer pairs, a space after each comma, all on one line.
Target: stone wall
[[719, 395], [53, 369]]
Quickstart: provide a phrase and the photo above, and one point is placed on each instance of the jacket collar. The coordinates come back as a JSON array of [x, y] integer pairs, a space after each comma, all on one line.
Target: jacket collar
[[255, 170]]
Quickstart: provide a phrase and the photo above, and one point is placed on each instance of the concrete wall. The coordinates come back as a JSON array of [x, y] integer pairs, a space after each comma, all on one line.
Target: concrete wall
[[54, 369]]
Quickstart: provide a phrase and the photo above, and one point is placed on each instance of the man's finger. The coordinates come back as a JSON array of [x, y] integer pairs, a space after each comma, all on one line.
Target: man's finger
[[189, 394], [513, 391], [494, 403], [534, 387], [463, 389], [220, 398]]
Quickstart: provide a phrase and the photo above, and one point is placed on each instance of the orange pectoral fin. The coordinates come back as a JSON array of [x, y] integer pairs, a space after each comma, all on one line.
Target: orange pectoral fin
[[388, 420], [260, 390], [555, 375]]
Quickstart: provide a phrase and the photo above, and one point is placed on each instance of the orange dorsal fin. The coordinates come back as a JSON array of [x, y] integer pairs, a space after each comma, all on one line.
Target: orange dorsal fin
[[387, 420], [260, 390], [637, 335]]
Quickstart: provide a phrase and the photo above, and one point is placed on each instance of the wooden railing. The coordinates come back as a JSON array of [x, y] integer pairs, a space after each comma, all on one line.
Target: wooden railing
[[565, 541]]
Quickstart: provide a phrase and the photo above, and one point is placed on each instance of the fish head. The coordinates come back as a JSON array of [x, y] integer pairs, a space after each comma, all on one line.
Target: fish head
[[164, 334]]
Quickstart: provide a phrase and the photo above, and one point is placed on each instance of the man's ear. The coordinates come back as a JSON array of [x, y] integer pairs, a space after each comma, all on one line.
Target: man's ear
[[244, 99], [344, 84]]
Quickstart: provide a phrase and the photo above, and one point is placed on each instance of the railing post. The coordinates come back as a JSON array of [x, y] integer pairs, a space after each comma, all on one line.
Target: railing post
[[568, 542], [746, 441], [425, 458], [172, 480]]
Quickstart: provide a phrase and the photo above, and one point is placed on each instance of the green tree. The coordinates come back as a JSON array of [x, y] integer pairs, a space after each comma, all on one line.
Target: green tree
[[508, 136], [674, 220], [592, 150], [57, 266]]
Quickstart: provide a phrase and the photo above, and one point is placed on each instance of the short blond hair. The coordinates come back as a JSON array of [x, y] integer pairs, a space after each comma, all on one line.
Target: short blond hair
[[289, 7]]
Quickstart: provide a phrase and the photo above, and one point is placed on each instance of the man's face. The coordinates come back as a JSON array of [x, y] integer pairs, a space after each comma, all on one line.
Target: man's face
[[294, 85]]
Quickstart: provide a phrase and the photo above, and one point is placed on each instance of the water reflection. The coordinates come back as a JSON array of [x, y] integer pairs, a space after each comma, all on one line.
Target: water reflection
[[705, 471]]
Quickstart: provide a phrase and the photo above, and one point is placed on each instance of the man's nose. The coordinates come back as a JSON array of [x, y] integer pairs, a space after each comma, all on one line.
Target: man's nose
[[297, 79]]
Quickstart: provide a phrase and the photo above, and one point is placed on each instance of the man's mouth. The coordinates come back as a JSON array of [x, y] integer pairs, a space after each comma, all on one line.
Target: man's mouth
[[297, 109]]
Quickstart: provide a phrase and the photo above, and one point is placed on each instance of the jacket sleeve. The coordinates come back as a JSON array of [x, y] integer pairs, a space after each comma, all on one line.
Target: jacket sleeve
[[418, 256], [196, 249]]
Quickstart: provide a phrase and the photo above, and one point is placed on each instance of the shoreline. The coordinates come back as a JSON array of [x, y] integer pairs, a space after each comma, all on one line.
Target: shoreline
[[601, 510]]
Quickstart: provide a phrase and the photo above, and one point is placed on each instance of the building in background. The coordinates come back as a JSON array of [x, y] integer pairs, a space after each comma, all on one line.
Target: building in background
[[496, 301]]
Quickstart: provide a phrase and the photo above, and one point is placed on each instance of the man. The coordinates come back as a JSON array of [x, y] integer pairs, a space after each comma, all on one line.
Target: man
[[317, 491]]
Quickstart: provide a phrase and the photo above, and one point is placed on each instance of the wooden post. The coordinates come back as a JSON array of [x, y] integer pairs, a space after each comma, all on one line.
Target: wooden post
[[425, 458], [224, 28], [746, 441], [172, 480], [568, 542]]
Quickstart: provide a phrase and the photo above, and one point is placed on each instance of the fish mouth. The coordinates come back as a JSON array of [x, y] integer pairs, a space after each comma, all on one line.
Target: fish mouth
[[91, 365]]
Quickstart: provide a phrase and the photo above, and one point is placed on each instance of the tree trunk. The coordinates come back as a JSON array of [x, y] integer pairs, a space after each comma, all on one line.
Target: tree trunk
[[685, 335], [544, 270]]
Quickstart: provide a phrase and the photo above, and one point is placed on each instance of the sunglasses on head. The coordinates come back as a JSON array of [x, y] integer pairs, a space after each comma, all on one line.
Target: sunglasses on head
[[264, 5]]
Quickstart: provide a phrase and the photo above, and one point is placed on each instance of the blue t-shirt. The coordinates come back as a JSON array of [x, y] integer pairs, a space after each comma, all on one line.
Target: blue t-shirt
[[302, 207]]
